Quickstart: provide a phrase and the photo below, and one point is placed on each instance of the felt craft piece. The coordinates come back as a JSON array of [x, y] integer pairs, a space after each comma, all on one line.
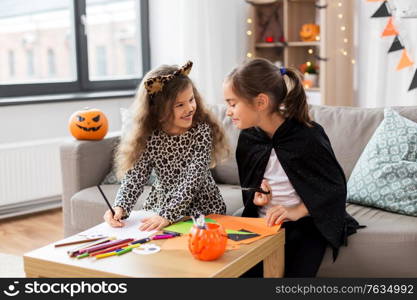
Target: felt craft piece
[[382, 11], [396, 45], [240, 236], [181, 243], [184, 226], [255, 225]]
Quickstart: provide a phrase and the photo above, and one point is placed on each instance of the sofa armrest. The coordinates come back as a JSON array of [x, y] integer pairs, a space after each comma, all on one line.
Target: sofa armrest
[[84, 164]]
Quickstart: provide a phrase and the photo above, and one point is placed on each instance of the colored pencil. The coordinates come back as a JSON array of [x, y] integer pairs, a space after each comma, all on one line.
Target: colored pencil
[[126, 250], [141, 241], [110, 249], [104, 246], [105, 255], [105, 199], [132, 246], [74, 252], [82, 255], [163, 236], [77, 242], [172, 232]]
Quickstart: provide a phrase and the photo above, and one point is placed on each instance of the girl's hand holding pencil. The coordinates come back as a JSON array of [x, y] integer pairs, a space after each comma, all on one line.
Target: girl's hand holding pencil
[[112, 216], [114, 220]]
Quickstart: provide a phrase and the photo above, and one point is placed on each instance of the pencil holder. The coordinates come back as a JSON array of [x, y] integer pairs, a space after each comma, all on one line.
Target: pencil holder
[[208, 242]]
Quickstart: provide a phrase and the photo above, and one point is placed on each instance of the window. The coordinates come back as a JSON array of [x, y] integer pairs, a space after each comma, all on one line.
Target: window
[[67, 46], [51, 63], [101, 62], [131, 60], [110, 26], [30, 30], [11, 63], [30, 67]]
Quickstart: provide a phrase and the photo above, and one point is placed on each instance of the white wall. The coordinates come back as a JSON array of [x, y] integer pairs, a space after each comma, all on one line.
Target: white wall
[[20, 123], [378, 82], [211, 33]]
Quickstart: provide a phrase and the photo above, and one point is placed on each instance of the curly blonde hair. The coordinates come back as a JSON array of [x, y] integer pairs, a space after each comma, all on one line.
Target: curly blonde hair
[[151, 112]]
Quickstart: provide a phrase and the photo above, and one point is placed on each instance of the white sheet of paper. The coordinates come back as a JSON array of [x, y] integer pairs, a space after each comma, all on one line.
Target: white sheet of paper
[[130, 230]]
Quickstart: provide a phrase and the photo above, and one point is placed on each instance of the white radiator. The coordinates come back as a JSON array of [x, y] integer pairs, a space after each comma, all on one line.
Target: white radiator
[[30, 176]]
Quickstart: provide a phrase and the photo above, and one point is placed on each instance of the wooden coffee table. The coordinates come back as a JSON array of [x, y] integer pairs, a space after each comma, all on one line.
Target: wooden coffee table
[[53, 262]]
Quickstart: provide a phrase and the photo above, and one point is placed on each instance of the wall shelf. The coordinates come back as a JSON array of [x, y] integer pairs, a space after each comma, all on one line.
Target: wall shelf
[[289, 16]]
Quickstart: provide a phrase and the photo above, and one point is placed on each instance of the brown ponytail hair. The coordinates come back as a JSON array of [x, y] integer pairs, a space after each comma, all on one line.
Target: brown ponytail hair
[[286, 91]]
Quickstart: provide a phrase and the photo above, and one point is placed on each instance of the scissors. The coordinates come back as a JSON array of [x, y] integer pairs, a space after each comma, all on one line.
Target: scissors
[[255, 189]]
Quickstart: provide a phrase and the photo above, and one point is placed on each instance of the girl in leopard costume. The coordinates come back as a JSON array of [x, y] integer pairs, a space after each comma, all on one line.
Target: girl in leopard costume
[[174, 135]]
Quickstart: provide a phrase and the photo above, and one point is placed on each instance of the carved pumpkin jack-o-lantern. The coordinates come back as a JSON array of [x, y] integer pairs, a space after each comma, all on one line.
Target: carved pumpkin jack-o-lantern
[[88, 124], [309, 32], [207, 243]]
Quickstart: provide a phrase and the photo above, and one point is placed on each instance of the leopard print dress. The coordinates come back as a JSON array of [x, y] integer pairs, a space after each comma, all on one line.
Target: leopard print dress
[[184, 185]]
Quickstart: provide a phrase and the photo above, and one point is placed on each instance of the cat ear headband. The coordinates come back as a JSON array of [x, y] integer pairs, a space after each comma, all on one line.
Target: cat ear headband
[[155, 84]]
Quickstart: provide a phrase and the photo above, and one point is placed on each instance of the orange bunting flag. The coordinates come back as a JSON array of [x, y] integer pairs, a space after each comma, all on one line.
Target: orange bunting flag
[[405, 61], [390, 29]]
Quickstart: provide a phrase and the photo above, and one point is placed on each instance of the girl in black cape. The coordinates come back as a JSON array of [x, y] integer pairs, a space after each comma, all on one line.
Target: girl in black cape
[[283, 151]]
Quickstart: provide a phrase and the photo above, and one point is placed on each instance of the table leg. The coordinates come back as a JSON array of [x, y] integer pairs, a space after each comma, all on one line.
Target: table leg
[[32, 275], [274, 263]]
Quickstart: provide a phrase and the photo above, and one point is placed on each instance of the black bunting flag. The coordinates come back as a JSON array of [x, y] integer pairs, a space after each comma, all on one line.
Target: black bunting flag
[[382, 11], [396, 45], [413, 84]]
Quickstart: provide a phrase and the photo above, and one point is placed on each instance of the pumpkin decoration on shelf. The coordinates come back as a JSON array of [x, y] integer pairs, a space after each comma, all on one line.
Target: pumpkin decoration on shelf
[[207, 241], [88, 124], [310, 74], [310, 32]]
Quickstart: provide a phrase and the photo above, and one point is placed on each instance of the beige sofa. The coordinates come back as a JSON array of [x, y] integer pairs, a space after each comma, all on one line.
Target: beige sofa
[[386, 248]]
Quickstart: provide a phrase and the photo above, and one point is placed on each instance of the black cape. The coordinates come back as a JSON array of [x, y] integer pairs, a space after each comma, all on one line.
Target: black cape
[[307, 158]]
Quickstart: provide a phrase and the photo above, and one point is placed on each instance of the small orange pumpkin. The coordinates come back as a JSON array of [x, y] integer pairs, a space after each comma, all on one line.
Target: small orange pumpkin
[[307, 83], [207, 243], [88, 124], [309, 32]]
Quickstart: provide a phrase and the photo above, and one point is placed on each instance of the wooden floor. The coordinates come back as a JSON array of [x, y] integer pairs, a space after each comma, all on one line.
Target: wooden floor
[[25, 233]]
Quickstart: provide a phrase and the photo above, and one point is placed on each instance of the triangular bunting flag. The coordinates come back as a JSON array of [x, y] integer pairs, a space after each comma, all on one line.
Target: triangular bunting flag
[[396, 45], [405, 61], [382, 11], [390, 29], [413, 84]]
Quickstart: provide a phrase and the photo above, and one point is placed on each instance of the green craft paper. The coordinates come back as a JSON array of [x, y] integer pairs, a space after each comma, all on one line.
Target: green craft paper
[[230, 231], [185, 226]]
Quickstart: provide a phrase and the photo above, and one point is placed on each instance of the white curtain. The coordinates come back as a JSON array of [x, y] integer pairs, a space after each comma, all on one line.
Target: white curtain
[[378, 82], [211, 33]]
